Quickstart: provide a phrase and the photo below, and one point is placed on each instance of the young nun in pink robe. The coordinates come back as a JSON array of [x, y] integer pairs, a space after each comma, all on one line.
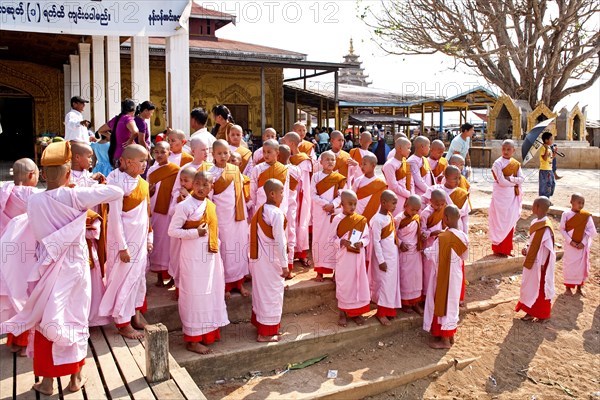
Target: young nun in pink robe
[[294, 178], [269, 169], [268, 263], [351, 236], [432, 224], [507, 198], [129, 239], [14, 195], [202, 280], [234, 233], [384, 271], [578, 230], [397, 173], [408, 224], [59, 284]]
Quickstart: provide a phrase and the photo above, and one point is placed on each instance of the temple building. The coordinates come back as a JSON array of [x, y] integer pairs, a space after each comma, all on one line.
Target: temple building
[[355, 74]]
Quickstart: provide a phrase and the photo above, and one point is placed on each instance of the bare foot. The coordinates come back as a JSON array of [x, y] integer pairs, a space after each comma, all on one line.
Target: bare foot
[[342, 321], [568, 292], [461, 304], [23, 352], [360, 321], [170, 284], [13, 348], [444, 343], [130, 333], [77, 381], [305, 262], [197, 347], [137, 321], [267, 339], [244, 292], [418, 309], [527, 317], [46, 386], [451, 339], [384, 321], [580, 291], [227, 295], [406, 310], [319, 278], [289, 276]]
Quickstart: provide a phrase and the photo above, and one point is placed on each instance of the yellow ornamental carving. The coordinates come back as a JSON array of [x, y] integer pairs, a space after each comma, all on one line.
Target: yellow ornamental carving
[[539, 114], [496, 121], [576, 124]]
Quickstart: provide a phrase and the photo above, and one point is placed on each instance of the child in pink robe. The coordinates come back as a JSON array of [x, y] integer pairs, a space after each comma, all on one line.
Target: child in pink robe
[[129, 240], [443, 292], [202, 285], [271, 168], [432, 225], [411, 263], [14, 195], [60, 281], [397, 173], [420, 170], [234, 233], [268, 263], [350, 236], [578, 230], [384, 272], [294, 178], [368, 188]]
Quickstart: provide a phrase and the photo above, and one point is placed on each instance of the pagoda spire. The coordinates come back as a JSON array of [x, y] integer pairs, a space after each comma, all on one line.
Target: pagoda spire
[[354, 75]]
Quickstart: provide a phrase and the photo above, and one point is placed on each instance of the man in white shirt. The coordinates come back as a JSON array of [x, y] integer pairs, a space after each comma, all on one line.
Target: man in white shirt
[[461, 144], [198, 118], [76, 128]]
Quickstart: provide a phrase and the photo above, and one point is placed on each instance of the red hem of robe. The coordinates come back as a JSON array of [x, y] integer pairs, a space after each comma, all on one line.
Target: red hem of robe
[[385, 312], [207, 338], [412, 302], [264, 330], [229, 286], [301, 254], [144, 307], [437, 331], [43, 364], [355, 312], [21, 340], [323, 270], [542, 308], [506, 246], [573, 285], [464, 283]]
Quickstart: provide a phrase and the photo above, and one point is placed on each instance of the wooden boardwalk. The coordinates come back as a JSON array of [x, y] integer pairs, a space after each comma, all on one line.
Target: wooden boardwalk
[[115, 368]]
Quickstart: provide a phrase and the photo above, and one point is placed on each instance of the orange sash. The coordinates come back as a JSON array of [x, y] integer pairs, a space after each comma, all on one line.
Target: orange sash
[[537, 229], [440, 167], [166, 175], [276, 171], [373, 189], [448, 241], [231, 173], [577, 223], [223, 132], [404, 222], [91, 217], [306, 147], [458, 197], [299, 158], [464, 184], [258, 220], [206, 166], [511, 169], [404, 172], [334, 180], [341, 163], [209, 218], [185, 159], [293, 183], [425, 168], [246, 156], [348, 224], [435, 218], [389, 229], [246, 188], [135, 198], [356, 155]]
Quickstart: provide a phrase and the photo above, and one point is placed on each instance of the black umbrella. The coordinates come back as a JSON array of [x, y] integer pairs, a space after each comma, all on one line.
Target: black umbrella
[[532, 141]]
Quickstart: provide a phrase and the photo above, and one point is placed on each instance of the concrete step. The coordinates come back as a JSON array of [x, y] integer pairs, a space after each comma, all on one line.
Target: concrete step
[[307, 335]]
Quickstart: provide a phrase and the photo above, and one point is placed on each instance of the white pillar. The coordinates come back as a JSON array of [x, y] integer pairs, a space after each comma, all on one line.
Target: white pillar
[[140, 69], [85, 78], [75, 87], [113, 76], [67, 84], [98, 99], [178, 80]]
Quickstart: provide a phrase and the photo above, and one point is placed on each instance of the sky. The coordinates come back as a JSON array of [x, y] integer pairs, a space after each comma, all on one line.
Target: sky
[[322, 30]]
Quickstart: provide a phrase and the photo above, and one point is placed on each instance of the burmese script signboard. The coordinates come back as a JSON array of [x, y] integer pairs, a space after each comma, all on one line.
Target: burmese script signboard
[[158, 18]]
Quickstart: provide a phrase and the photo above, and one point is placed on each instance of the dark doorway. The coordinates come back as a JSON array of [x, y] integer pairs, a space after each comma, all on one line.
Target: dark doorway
[[16, 119], [240, 114]]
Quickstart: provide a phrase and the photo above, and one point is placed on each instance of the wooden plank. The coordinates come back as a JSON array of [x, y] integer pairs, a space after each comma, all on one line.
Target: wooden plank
[[6, 371], [167, 390], [136, 382], [186, 384], [112, 378], [26, 379], [94, 388]]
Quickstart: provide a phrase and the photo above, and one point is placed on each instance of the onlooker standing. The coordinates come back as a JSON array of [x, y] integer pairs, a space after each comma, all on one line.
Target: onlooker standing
[[123, 130], [547, 182], [76, 128], [323, 140], [144, 112], [198, 118], [461, 144]]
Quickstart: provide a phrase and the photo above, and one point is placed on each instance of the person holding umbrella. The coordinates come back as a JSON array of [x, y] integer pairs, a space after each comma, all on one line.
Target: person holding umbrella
[[547, 183]]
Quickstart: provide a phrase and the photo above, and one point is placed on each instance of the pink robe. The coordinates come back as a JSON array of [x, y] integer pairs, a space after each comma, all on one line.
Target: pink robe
[[428, 265], [463, 224], [411, 263], [161, 255], [59, 284], [13, 202], [125, 282], [433, 164], [357, 184], [397, 186], [355, 172], [292, 212], [576, 263], [267, 283], [257, 194], [351, 280], [323, 251], [421, 183], [201, 304], [304, 206], [234, 235], [505, 207], [450, 320], [257, 156], [530, 284], [385, 286]]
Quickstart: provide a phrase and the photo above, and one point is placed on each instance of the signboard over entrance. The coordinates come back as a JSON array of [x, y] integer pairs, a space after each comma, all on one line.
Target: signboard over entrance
[[158, 18]]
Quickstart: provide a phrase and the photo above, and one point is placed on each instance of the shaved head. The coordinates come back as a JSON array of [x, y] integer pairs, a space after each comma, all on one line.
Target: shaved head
[[413, 201], [203, 176], [235, 156], [366, 135], [198, 142], [163, 145], [21, 170], [421, 141], [284, 153], [272, 143], [438, 195], [348, 195], [437, 145], [178, 133], [543, 203], [272, 185], [134, 150], [336, 135], [220, 143], [370, 158], [387, 195], [81, 149], [297, 126], [402, 142], [236, 128], [189, 171], [452, 213], [269, 132], [328, 153], [292, 137], [451, 170], [509, 142], [577, 196], [456, 159], [398, 136]]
